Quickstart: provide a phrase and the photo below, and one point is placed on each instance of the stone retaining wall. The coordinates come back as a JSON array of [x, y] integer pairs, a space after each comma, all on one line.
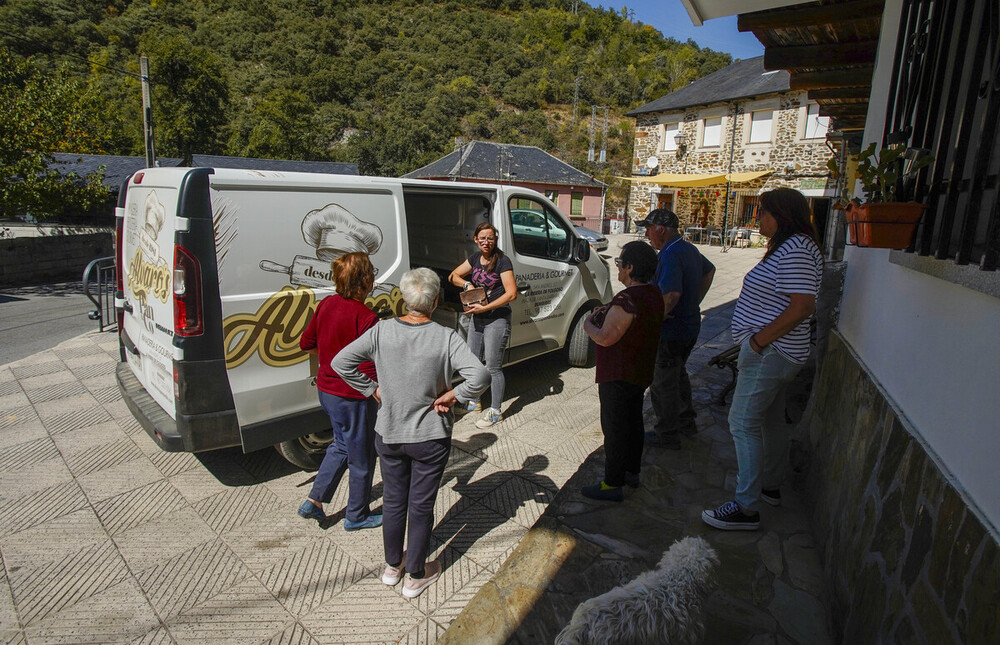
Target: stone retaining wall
[[34, 260], [907, 559]]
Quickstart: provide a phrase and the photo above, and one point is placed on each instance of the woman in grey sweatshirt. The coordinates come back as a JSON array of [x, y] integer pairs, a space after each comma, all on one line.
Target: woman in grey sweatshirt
[[416, 361]]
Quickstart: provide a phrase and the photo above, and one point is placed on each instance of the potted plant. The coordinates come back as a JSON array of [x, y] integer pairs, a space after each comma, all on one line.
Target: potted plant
[[885, 219]]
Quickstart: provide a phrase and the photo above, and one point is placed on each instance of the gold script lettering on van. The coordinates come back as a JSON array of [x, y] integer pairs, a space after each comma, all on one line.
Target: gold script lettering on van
[[148, 278], [272, 332]]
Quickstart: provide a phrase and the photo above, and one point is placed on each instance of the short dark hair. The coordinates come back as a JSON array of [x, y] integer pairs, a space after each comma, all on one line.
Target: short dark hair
[[642, 258]]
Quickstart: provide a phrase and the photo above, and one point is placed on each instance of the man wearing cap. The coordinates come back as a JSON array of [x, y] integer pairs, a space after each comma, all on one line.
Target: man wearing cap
[[683, 276]]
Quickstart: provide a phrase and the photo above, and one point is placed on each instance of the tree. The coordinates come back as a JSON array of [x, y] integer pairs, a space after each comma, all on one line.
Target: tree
[[44, 114]]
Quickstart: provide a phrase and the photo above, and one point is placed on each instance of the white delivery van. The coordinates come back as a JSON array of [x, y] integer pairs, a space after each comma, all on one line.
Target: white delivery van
[[220, 270]]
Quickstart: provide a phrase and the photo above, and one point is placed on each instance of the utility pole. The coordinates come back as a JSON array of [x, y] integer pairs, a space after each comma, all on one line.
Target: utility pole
[[729, 181], [604, 142], [576, 95], [147, 112], [593, 116]]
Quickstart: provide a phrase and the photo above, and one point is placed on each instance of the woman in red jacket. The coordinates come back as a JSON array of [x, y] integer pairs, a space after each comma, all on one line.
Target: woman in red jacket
[[338, 321]]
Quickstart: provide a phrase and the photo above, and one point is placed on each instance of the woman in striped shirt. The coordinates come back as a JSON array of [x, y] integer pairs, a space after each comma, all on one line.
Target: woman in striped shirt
[[771, 323]]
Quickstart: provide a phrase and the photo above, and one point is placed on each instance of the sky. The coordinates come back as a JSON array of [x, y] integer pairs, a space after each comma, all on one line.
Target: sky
[[671, 19]]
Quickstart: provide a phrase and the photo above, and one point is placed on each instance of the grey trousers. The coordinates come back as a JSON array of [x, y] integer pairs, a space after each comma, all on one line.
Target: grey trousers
[[487, 340]]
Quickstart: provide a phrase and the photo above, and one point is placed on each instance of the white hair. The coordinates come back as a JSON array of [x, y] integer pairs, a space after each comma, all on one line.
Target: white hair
[[420, 287]]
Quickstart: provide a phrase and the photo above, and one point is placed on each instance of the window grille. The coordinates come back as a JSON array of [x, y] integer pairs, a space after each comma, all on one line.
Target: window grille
[[945, 97]]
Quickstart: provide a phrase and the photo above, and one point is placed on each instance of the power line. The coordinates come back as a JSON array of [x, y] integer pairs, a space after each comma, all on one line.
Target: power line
[[83, 58]]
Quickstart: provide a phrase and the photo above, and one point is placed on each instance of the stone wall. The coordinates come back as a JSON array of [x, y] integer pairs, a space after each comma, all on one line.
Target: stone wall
[[34, 260], [908, 560], [794, 161]]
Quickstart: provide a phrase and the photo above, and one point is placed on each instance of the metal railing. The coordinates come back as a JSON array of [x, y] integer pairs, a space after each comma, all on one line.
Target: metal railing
[[103, 269]]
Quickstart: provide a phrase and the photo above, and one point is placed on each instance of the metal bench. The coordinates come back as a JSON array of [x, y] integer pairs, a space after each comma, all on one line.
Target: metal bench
[[727, 358]]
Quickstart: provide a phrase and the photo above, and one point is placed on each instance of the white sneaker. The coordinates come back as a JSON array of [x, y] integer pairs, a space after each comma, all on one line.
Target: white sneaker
[[413, 587], [491, 417], [392, 574]]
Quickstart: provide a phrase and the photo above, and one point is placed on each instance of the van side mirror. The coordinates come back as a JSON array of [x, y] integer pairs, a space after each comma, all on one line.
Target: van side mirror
[[581, 250]]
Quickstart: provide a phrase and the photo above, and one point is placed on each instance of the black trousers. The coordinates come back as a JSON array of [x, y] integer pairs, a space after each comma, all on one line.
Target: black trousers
[[621, 422], [411, 475], [670, 392]]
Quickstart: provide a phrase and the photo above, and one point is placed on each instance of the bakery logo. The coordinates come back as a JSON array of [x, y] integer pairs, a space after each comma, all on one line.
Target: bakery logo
[[273, 331], [333, 231], [148, 273]]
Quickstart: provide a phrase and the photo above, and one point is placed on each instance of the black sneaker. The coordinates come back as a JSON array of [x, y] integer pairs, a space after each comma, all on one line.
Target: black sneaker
[[772, 497], [730, 517], [656, 440]]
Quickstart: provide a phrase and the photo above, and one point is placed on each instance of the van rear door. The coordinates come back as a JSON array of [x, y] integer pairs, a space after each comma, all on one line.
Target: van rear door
[[277, 234], [147, 275]]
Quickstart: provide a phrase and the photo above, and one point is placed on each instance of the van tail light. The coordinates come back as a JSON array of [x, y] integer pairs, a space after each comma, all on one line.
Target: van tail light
[[188, 318]]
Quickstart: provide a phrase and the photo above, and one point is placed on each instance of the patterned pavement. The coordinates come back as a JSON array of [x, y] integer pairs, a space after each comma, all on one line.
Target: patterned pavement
[[104, 538]]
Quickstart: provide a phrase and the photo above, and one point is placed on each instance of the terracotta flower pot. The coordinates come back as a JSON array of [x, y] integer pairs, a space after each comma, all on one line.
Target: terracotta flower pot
[[884, 226]]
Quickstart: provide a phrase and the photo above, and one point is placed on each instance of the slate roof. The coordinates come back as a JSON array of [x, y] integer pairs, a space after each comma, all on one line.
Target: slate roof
[[279, 165], [484, 160], [743, 79], [117, 168]]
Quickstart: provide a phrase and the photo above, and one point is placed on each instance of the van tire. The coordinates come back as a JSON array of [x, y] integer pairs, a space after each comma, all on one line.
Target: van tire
[[305, 452], [579, 347]]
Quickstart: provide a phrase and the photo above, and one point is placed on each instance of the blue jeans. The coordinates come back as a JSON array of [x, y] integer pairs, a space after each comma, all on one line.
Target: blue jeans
[[353, 449], [757, 421], [487, 340]]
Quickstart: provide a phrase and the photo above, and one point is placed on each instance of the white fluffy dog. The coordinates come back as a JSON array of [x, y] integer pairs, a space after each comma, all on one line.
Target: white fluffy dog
[[660, 606]]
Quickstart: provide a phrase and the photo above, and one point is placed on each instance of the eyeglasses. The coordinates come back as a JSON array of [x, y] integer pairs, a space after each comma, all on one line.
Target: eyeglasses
[[486, 239], [618, 262]]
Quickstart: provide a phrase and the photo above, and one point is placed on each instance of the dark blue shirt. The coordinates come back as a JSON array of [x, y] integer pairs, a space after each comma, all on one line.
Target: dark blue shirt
[[680, 267]]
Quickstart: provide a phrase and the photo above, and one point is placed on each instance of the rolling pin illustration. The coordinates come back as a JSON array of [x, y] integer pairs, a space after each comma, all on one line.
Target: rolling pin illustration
[[310, 272], [304, 271]]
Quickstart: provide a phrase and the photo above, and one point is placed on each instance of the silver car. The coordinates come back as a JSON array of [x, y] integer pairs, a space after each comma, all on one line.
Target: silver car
[[597, 240]]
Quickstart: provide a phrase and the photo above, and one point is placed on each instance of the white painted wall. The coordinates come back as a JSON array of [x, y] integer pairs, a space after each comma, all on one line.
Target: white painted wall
[[933, 345]]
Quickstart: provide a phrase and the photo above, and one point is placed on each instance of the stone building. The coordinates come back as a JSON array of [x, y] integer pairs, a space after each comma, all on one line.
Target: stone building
[[741, 120]]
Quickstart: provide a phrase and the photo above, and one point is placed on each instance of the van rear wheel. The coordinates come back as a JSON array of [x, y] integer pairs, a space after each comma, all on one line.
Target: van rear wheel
[[306, 452], [579, 347]]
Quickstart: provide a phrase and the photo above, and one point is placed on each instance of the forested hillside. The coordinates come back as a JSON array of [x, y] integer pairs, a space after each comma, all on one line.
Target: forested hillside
[[387, 85]]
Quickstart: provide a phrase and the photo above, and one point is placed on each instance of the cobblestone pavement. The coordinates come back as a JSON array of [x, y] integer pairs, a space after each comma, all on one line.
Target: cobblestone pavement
[[105, 538]]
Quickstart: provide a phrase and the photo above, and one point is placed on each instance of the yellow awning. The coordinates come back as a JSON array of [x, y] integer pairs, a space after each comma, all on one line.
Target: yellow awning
[[682, 180]]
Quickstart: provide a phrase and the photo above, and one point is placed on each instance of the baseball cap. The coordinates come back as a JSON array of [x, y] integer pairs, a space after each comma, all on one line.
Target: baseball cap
[[661, 217]]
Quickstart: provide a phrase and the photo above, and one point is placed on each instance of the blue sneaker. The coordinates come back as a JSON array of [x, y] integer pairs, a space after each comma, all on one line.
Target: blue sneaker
[[310, 511], [471, 406], [373, 521]]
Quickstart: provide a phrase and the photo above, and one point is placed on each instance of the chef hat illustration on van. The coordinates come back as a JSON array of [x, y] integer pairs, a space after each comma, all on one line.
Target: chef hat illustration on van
[[153, 213], [333, 231]]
